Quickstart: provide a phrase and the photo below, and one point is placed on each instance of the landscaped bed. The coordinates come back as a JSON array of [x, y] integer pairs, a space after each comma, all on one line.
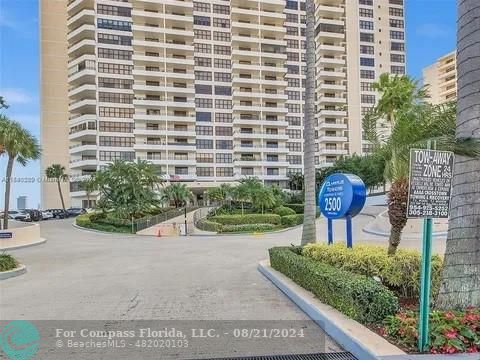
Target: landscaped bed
[[379, 291], [8, 262]]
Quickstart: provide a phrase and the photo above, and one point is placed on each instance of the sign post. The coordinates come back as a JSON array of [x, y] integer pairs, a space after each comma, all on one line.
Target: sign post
[[429, 190], [342, 196]]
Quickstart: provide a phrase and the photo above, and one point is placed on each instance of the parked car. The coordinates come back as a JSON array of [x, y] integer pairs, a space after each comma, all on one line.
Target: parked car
[[58, 213], [76, 211], [35, 215], [46, 215], [20, 215]]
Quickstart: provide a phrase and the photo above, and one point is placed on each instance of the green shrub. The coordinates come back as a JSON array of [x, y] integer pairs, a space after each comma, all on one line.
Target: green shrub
[[298, 208], [101, 222], [247, 228], [247, 219], [292, 220], [208, 225], [284, 211], [400, 272], [7, 262], [357, 296]]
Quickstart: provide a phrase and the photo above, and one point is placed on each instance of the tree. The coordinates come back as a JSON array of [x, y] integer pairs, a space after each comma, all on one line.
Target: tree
[[309, 228], [461, 273], [370, 168], [19, 145], [3, 103], [263, 198], [242, 193], [57, 173], [177, 193], [295, 181], [128, 189], [414, 127], [89, 185]]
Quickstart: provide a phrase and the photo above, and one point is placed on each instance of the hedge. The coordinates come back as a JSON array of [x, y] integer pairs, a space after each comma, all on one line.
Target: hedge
[[247, 228], [292, 220], [284, 211], [357, 296], [400, 273], [273, 219], [208, 225], [7, 262], [99, 221], [298, 208]]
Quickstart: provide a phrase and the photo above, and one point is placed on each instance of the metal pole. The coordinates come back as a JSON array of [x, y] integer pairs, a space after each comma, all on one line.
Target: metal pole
[[330, 231], [425, 282], [349, 232], [185, 216]]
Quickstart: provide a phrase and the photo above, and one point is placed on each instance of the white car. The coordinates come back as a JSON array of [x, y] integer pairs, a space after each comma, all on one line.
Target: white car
[[46, 215]]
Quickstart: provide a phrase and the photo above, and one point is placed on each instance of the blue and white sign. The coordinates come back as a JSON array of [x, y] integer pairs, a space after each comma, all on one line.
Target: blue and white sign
[[342, 196], [6, 235]]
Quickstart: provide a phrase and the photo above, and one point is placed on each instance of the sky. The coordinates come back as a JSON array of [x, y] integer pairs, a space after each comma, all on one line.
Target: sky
[[431, 33]]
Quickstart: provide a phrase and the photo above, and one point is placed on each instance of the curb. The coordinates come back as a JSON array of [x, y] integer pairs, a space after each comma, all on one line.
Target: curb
[[352, 336], [100, 232], [408, 236], [22, 269], [15, 247]]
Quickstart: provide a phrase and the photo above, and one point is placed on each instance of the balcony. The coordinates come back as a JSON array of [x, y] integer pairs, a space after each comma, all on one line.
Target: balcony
[[84, 162], [333, 151], [333, 113], [328, 125], [326, 138], [90, 147]]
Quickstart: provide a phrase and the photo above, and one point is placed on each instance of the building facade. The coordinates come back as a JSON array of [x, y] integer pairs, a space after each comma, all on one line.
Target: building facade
[[441, 78], [212, 91]]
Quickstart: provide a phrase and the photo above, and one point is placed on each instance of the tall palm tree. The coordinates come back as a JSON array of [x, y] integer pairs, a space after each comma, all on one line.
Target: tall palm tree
[[89, 185], [241, 193], [415, 128], [19, 145], [57, 172], [177, 193], [263, 198], [461, 273], [309, 230]]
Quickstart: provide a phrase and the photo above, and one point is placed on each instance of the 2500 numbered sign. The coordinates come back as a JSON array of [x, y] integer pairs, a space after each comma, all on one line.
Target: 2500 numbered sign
[[431, 173]]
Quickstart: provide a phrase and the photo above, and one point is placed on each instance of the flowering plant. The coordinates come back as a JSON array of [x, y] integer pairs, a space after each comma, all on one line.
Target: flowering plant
[[449, 332]]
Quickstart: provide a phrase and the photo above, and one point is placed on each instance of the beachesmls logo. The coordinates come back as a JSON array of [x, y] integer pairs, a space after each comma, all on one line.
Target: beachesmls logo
[[19, 340]]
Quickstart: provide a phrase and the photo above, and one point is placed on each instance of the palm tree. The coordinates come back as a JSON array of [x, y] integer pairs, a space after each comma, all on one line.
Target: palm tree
[[242, 193], [89, 185], [309, 230], [263, 198], [295, 181], [177, 193], [414, 128], [3, 103], [19, 145], [461, 273], [57, 172]]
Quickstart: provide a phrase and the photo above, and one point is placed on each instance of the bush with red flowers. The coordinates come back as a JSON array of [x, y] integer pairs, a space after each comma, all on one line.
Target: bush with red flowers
[[450, 331]]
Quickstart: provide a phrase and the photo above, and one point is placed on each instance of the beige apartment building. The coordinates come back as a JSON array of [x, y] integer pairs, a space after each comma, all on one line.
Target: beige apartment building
[[210, 91], [441, 77]]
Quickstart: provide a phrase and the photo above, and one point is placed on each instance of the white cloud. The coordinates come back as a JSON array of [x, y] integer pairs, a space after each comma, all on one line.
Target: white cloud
[[434, 31], [16, 96]]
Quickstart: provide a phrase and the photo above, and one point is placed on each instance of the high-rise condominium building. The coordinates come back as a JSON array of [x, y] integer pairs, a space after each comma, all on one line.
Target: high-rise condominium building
[[441, 77], [211, 90]]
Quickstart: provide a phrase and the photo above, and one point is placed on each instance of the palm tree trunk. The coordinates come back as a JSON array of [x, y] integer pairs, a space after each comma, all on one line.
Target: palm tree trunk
[[397, 212], [309, 230], [61, 195], [11, 160], [461, 274]]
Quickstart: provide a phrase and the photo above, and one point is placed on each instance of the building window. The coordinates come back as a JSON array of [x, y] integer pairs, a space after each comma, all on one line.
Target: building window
[[114, 10], [395, 11], [115, 112], [396, 2], [224, 171], [293, 44], [292, 5], [399, 70], [115, 83], [366, 37], [203, 103], [294, 133], [400, 58], [201, 20], [222, 63], [294, 159], [114, 39], [202, 61], [221, 50], [291, 56], [366, 12], [115, 98], [115, 68], [396, 23], [204, 144], [397, 35], [368, 99], [366, 25], [291, 30], [294, 146], [223, 118], [117, 155], [114, 25], [203, 116], [223, 104], [202, 34], [367, 49], [203, 75], [366, 86], [221, 36], [201, 6], [292, 18], [224, 144], [116, 141], [204, 158], [293, 120], [367, 74], [219, 22], [204, 130], [292, 95], [294, 108], [221, 9], [223, 77], [223, 131], [114, 54], [207, 171], [223, 158], [112, 126], [396, 46], [203, 89], [273, 171], [203, 48], [367, 61]]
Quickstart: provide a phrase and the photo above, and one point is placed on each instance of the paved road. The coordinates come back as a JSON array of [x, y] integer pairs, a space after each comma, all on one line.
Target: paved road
[[90, 276]]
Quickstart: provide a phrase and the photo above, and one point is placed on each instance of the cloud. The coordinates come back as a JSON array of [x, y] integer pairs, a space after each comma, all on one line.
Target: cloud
[[434, 31], [16, 96]]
